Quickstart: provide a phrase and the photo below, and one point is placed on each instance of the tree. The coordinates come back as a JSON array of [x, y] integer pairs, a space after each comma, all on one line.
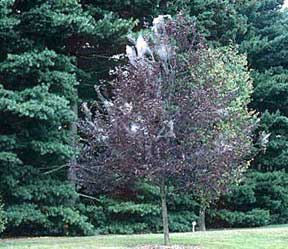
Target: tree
[[220, 22], [178, 115], [37, 92], [63, 43], [260, 199], [93, 49], [265, 43], [267, 53]]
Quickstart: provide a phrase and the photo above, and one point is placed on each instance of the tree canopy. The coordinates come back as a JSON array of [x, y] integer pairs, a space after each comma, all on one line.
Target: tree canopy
[[184, 118]]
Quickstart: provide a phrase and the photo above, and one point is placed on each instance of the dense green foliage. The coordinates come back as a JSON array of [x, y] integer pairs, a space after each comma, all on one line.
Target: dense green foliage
[[93, 51], [219, 21], [54, 52], [139, 211], [265, 188], [253, 218], [259, 200], [37, 92]]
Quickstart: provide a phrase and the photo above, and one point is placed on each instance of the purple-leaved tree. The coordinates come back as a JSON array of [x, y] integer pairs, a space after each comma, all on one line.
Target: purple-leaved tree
[[178, 115]]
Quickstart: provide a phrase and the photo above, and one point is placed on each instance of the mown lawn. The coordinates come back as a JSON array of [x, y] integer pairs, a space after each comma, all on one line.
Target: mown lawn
[[274, 237]]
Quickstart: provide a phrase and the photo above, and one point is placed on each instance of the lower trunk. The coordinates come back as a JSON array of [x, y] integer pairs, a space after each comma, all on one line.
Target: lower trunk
[[202, 225], [74, 124], [74, 131], [163, 190]]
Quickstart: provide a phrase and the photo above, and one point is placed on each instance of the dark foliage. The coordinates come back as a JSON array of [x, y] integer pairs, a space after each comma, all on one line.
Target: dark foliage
[[173, 116]]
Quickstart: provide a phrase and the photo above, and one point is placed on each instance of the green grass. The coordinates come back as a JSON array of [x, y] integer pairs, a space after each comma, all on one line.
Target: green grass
[[274, 237]]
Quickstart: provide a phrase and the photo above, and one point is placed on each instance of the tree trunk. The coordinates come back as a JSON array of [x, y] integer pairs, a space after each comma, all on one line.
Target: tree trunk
[[163, 190], [202, 225], [73, 160], [74, 124]]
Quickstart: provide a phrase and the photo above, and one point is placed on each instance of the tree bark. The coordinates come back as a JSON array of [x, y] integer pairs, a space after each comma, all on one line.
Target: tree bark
[[163, 190], [74, 124], [202, 225], [74, 132]]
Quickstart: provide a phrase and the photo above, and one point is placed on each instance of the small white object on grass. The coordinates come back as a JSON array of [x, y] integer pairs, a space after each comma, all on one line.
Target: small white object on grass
[[194, 223]]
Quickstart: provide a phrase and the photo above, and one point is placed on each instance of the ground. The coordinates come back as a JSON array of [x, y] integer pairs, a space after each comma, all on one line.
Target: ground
[[274, 237]]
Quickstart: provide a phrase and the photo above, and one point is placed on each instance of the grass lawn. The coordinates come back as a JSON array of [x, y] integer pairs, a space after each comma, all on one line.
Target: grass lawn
[[273, 237]]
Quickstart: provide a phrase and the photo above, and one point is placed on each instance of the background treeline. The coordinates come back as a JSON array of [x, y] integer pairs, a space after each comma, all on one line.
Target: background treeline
[[54, 52]]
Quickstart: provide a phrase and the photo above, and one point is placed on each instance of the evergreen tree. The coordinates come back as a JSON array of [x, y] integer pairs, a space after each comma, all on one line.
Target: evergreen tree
[[220, 21], [94, 51], [265, 41], [267, 53], [38, 79], [266, 46], [56, 50], [259, 200]]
